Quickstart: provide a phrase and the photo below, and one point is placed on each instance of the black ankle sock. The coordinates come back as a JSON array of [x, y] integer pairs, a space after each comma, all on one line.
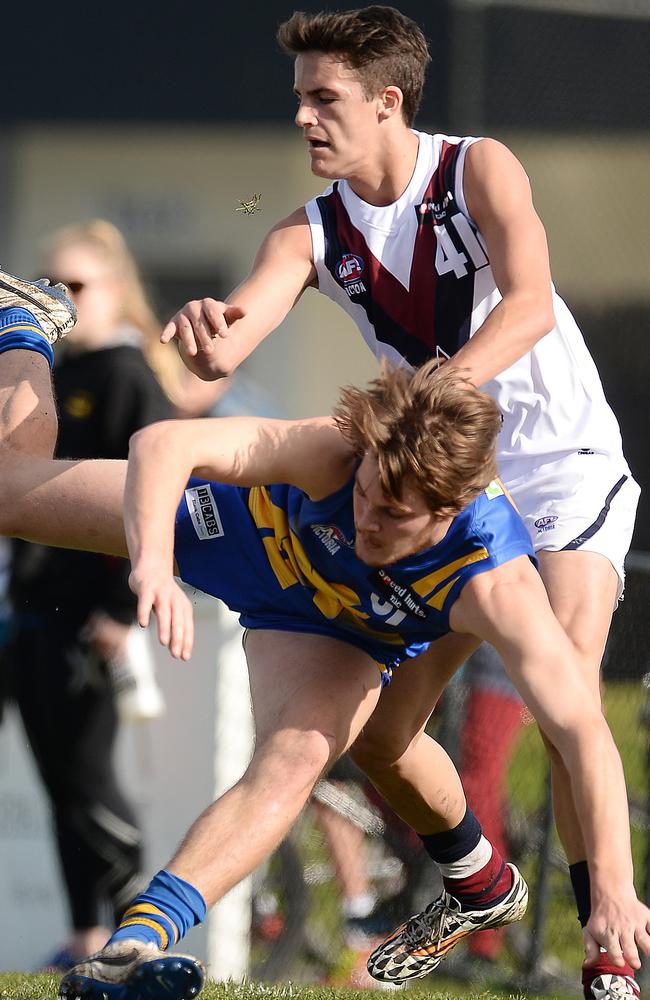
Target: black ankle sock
[[579, 873]]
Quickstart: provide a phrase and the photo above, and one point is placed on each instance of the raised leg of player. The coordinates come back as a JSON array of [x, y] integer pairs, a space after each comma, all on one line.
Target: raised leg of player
[[311, 696], [75, 505], [411, 770], [28, 422]]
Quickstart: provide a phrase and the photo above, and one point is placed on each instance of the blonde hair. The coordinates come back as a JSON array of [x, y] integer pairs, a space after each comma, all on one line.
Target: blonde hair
[[107, 242], [431, 426]]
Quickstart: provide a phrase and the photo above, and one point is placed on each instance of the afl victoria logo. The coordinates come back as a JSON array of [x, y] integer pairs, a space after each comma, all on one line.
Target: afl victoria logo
[[349, 268], [546, 523]]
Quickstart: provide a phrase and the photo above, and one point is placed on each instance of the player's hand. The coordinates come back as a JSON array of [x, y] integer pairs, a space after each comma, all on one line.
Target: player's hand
[[199, 327], [157, 591], [622, 927]]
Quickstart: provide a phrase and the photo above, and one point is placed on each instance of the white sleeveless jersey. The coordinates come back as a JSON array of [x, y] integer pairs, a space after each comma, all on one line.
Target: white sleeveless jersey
[[416, 279]]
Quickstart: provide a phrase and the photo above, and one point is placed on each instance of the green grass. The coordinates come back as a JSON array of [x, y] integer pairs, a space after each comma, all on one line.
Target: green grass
[[19, 986]]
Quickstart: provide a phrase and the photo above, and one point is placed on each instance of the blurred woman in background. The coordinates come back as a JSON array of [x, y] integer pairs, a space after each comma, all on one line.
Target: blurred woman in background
[[70, 644]]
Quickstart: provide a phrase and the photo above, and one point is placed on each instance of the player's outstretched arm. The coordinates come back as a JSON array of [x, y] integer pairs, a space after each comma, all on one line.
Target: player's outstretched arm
[[509, 608], [498, 197], [245, 451], [214, 336]]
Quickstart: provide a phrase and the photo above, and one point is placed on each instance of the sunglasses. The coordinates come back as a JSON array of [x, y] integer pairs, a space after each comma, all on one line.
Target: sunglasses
[[74, 286]]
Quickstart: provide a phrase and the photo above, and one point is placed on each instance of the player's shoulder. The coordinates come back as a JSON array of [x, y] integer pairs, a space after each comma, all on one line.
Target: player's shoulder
[[487, 155], [294, 221], [290, 235]]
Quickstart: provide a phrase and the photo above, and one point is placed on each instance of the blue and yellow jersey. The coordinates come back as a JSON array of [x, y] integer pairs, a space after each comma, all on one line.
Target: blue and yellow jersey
[[286, 562]]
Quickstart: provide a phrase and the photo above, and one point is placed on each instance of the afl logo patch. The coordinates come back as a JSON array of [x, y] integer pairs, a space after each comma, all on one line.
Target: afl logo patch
[[546, 523], [349, 268]]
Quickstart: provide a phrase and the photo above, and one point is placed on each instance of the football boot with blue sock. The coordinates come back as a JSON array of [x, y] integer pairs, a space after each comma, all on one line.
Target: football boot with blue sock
[[50, 305], [134, 970]]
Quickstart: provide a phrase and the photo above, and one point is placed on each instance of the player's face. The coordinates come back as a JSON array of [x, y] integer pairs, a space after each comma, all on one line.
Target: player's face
[[388, 530], [340, 125]]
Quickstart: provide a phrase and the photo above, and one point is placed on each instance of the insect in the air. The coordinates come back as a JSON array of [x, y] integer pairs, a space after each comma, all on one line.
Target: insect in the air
[[250, 205]]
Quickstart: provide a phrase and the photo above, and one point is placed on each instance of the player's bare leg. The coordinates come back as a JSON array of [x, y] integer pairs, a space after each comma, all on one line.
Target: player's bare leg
[[27, 413], [33, 316], [413, 772], [420, 782], [311, 696], [71, 504], [582, 588]]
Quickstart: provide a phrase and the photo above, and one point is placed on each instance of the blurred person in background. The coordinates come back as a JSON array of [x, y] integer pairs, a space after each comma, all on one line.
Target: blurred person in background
[[73, 613], [432, 245], [493, 714]]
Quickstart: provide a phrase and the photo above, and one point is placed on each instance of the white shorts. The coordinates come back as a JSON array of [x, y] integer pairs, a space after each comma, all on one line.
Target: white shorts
[[586, 501]]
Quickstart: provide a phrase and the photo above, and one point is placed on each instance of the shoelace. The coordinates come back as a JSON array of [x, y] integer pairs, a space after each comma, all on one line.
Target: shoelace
[[428, 926]]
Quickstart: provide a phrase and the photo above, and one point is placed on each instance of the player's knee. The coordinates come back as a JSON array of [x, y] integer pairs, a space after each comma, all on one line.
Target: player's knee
[[376, 756], [294, 759]]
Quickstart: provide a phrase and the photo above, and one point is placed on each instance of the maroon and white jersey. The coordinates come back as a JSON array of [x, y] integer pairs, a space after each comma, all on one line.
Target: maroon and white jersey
[[415, 277]]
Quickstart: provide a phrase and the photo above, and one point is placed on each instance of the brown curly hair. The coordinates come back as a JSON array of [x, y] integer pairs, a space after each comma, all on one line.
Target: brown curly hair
[[430, 426], [380, 43]]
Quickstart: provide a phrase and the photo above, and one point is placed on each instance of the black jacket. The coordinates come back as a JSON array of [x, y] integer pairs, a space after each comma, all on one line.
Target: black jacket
[[103, 397]]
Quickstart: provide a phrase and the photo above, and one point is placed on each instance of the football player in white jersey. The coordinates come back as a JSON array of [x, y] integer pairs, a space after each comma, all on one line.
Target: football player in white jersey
[[432, 245]]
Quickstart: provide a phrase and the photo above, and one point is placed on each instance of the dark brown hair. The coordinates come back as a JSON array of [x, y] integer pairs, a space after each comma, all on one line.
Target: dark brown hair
[[380, 43], [431, 426]]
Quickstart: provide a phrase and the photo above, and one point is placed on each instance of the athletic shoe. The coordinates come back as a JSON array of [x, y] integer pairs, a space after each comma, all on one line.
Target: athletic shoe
[[609, 986], [416, 948], [133, 970], [50, 304]]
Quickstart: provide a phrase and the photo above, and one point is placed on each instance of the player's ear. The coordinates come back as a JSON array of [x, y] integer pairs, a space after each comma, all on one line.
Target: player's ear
[[390, 102]]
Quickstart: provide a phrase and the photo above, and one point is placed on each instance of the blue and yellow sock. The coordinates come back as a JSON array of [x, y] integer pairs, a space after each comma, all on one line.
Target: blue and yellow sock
[[163, 913], [20, 330]]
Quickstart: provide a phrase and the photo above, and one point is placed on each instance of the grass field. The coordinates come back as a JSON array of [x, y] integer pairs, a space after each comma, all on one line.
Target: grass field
[[18, 986]]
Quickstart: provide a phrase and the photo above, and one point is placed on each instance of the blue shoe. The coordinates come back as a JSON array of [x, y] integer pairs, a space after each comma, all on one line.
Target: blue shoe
[[50, 304], [133, 970], [58, 963]]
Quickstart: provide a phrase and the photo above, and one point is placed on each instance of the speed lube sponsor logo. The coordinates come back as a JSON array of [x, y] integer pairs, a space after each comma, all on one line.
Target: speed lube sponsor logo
[[204, 512], [331, 537], [348, 271], [399, 595]]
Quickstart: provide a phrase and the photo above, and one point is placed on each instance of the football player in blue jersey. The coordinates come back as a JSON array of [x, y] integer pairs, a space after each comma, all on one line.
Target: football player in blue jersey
[[348, 544], [432, 245]]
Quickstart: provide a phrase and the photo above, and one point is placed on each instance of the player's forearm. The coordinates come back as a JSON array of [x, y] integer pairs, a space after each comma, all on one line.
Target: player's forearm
[[513, 327], [600, 796], [158, 469]]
